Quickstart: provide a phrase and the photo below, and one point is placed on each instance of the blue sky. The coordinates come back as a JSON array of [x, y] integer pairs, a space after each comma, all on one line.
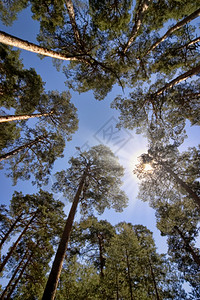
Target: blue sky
[[96, 123]]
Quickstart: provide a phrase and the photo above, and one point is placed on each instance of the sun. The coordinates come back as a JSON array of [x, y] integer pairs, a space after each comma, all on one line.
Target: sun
[[148, 167]]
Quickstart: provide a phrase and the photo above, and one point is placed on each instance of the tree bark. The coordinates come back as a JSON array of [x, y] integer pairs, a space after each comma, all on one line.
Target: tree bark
[[17, 150], [13, 277], [20, 276], [178, 79], [52, 283], [129, 276], [99, 236], [22, 117], [138, 21], [188, 248], [17, 242], [11, 40], [154, 281], [71, 13], [184, 185], [10, 230], [178, 25]]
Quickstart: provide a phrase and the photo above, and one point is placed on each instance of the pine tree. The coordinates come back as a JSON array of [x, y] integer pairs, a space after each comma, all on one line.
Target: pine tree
[[33, 155], [19, 88], [27, 261], [98, 175], [169, 166]]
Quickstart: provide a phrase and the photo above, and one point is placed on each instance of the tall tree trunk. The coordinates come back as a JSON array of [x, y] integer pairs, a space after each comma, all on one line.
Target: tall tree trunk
[[178, 79], [138, 21], [117, 284], [11, 40], [19, 277], [178, 25], [129, 276], [188, 248], [154, 280], [17, 150], [22, 117], [12, 227], [71, 13], [13, 276], [52, 283], [16, 242], [184, 185], [99, 236]]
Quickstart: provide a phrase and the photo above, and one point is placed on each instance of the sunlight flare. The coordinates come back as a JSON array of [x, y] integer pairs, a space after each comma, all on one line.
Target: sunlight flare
[[148, 167]]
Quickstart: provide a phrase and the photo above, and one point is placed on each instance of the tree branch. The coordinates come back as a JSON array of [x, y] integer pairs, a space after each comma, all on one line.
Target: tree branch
[[138, 21], [11, 40], [178, 79], [178, 25], [71, 13]]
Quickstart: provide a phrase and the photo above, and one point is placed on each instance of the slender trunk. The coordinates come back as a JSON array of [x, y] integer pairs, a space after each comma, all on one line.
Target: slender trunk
[[178, 79], [10, 230], [178, 25], [154, 281], [129, 276], [138, 21], [19, 277], [17, 150], [17, 242], [188, 248], [13, 277], [71, 13], [11, 40], [184, 185], [52, 283], [22, 117], [117, 284], [99, 236]]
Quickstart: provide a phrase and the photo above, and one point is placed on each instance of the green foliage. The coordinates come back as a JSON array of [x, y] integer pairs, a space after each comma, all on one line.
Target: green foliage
[[49, 14], [36, 245], [163, 11], [62, 113], [8, 134], [159, 184], [176, 212], [10, 9], [89, 239], [78, 281], [18, 85], [34, 155], [140, 270], [23, 91], [159, 105], [102, 184], [104, 28], [133, 269], [112, 16], [148, 109], [179, 222], [104, 34]]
